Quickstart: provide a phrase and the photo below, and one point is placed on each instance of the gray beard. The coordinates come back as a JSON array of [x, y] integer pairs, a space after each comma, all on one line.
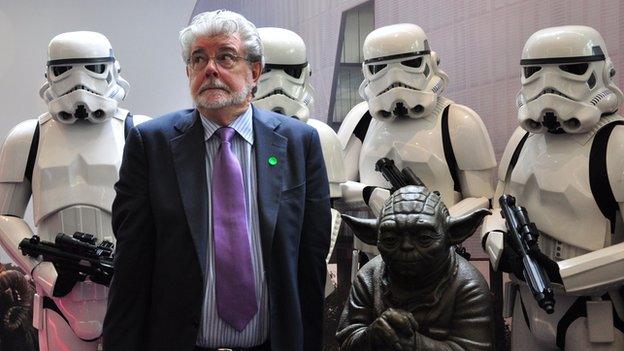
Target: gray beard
[[234, 99]]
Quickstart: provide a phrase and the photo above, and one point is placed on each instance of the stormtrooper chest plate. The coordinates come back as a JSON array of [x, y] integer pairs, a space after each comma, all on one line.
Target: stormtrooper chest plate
[[76, 164], [551, 179], [414, 143]]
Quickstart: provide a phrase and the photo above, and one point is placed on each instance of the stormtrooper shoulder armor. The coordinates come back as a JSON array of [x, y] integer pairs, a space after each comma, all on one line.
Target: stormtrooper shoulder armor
[[351, 122], [615, 162], [129, 120], [135, 120], [138, 119], [471, 142], [14, 154], [332, 153], [514, 142]]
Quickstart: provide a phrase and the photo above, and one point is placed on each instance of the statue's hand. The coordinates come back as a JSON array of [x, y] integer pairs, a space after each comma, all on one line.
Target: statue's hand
[[395, 329]]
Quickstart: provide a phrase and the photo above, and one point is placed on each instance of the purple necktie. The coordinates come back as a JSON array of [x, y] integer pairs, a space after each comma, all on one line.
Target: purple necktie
[[236, 290]]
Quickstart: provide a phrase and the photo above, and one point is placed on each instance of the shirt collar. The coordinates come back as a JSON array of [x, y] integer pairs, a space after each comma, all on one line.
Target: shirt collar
[[242, 125]]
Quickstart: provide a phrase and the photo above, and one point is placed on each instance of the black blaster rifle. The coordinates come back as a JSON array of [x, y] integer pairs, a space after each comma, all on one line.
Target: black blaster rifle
[[396, 178], [523, 235], [75, 258], [399, 179]]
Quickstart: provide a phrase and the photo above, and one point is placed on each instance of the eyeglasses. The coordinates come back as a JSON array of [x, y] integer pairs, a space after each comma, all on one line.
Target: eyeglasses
[[226, 60]]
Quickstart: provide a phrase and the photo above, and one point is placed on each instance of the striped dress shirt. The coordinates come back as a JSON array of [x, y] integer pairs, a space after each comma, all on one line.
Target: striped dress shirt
[[214, 332]]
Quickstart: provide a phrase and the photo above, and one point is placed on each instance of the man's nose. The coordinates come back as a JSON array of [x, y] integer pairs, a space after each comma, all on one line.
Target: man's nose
[[211, 69]]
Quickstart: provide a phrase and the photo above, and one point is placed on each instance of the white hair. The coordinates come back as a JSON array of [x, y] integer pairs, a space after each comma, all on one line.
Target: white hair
[[226, 22]]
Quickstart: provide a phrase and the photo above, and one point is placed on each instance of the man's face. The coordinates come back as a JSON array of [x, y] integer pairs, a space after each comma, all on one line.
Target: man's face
[[215, 87]]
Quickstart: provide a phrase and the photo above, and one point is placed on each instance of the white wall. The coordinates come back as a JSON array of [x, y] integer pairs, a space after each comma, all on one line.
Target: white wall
[[144, 36]]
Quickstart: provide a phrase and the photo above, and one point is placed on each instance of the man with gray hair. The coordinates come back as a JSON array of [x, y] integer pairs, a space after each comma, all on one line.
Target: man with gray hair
[[222, 213]]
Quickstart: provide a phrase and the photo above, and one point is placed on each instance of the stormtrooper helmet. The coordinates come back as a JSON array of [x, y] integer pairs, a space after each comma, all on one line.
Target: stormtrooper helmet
[[401, 74], [567, 81], [83, 81], [284, 85]]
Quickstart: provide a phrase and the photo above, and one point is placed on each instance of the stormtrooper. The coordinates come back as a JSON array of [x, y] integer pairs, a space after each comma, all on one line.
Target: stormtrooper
[[564, 165], [406, 118], [68, 161], [284, 87]]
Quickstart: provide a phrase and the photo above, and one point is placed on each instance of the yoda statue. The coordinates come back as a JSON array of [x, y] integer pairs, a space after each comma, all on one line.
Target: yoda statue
[[418, 294]]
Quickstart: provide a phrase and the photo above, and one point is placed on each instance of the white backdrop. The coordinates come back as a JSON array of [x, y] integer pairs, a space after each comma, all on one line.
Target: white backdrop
[[144, 36]]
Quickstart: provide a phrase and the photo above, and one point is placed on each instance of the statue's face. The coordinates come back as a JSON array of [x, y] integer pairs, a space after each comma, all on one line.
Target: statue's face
[[413, 246]]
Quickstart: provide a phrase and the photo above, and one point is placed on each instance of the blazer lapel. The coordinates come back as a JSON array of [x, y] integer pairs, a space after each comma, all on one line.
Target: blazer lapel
[[270, 147], [189, 160]]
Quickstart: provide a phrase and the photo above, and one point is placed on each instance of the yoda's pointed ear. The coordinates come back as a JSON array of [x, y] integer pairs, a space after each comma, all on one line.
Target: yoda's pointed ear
[[364, 229], [461, 228]]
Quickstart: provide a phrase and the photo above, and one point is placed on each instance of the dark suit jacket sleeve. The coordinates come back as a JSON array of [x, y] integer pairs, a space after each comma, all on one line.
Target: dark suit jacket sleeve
[[314, 245], [129, 298]]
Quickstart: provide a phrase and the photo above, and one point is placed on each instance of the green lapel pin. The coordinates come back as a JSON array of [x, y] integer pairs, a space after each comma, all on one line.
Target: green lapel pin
[[272, 161]]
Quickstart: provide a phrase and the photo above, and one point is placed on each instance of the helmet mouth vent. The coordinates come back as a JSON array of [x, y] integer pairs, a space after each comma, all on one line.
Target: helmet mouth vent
[[399, 110], [551, 122], [81, 112]]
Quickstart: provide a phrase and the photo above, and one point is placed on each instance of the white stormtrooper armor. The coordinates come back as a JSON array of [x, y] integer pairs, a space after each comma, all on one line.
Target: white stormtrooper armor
[[564, 166], [406, 118], [68, 160], [284, 87]]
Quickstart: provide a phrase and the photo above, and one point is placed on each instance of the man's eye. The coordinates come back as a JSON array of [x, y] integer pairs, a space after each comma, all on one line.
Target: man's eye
[[198, 59], [226, 58]]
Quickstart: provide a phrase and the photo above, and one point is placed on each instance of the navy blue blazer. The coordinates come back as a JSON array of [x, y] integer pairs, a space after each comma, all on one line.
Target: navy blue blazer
[[160, 222]]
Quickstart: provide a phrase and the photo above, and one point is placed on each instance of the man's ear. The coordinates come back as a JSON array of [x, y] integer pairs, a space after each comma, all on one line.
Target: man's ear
[[188, 73], [364, 229], [256, 70], [461, 228]]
